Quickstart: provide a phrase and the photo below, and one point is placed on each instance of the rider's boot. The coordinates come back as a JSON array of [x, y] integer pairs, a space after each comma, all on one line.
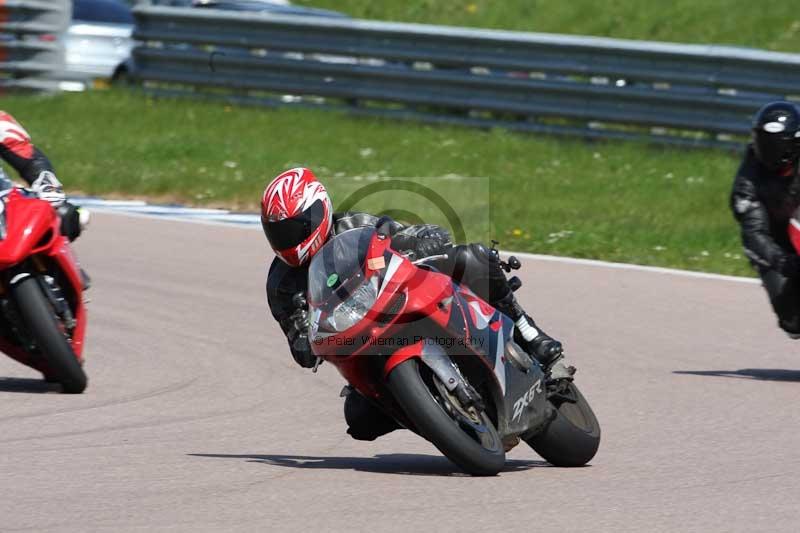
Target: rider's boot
[[365, 419], [545, 349], [550, 353], [481, 269]]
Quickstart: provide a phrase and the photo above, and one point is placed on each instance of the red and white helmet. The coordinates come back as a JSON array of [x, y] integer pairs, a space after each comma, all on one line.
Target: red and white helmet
[[296, 214]]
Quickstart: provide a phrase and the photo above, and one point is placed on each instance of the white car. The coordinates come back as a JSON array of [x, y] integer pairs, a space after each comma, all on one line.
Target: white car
[[98, 43], [278, 7]]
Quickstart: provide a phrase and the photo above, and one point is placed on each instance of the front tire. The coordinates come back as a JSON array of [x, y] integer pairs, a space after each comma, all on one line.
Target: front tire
[[432, 421], [40, 322], [573, 436]]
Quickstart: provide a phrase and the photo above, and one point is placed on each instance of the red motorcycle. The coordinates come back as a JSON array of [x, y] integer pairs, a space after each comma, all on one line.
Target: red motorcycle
[[42, 314], [794, 231], [439, 359]]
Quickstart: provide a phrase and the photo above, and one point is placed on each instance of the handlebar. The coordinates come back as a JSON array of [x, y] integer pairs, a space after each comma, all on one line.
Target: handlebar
[[429, 258]]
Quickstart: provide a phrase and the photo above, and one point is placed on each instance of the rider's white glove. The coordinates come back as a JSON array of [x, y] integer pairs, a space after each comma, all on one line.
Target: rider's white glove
[[49, 188]]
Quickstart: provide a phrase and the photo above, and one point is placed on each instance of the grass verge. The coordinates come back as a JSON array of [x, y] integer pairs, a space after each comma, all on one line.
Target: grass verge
[[613, 201], [769, 24]]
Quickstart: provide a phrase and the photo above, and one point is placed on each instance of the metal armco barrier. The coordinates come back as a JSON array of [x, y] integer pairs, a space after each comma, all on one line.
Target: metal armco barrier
[[31, 43], [585, 86]]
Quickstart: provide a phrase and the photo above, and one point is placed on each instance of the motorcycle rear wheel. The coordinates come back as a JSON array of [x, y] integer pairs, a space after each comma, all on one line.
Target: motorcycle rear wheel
[[573, 436], [426, 408], [41, 323]]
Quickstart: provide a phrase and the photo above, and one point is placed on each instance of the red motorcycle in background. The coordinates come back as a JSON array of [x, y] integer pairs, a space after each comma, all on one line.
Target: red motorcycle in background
[[42, 314], [439, 359], [794, 231]]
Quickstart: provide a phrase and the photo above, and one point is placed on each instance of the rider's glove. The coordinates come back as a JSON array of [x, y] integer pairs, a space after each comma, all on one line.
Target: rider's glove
[[789, 266], [298, 339], [422, 240], [49, 189]]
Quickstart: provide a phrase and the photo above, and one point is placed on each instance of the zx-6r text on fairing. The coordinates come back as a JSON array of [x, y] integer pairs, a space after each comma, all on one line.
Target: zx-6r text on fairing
[[439, 359]]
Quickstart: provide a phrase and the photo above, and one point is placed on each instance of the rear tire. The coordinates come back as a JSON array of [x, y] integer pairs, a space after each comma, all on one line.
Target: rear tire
[[432, 422], [573, 436], [40, 322]]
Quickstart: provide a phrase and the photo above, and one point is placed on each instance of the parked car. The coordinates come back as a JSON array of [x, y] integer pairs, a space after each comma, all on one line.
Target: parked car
[[279, 7], [98, 43]]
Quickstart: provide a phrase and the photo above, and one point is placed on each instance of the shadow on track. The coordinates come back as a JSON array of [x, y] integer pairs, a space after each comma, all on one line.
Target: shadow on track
[[765, 374], [395, 463], [29, 385]]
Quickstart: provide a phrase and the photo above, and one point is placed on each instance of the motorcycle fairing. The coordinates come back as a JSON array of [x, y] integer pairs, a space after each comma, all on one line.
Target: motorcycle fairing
[[519, 395], [794, 232], [522, 393], [30, 225]]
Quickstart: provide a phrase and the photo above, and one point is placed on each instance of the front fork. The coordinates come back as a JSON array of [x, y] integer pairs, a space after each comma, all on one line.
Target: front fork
[[435, 358], [448, 373], [55, 295]]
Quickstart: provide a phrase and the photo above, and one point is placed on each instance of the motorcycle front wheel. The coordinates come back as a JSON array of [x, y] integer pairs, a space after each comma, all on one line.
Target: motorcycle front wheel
[[464, 435], [42, 325]]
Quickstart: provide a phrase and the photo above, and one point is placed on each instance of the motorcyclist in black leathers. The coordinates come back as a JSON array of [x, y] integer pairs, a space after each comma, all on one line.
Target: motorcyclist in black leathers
[[766, 193], [17, 149], [297, 218]]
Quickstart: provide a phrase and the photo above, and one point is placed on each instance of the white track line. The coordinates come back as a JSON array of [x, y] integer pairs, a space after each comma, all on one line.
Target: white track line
[[213, 217], [639, 268], [191, 220]]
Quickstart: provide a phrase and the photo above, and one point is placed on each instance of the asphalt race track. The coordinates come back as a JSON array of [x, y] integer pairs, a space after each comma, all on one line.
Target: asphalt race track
[[197, 419]]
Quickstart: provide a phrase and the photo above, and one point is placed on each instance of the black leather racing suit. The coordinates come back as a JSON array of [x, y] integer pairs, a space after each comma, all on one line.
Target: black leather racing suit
[[473, 265], [763, 202], [17, 149]]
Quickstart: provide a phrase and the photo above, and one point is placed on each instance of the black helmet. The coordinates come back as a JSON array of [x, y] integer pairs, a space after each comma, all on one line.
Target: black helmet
[[776, 134]]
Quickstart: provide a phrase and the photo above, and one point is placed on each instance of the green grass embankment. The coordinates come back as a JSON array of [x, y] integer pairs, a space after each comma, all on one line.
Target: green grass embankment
[[612, 201]]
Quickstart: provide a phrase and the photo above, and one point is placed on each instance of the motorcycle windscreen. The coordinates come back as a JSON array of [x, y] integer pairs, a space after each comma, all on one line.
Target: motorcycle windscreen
[[339, 262], [339, 294]]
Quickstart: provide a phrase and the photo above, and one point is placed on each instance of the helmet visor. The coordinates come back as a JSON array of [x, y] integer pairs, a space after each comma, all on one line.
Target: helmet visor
[[291, 232], [775, 150]]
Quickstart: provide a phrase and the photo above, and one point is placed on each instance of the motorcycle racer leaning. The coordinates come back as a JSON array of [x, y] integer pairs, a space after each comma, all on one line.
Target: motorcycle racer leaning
[[17, 149], [766, 193], [297, 217]]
